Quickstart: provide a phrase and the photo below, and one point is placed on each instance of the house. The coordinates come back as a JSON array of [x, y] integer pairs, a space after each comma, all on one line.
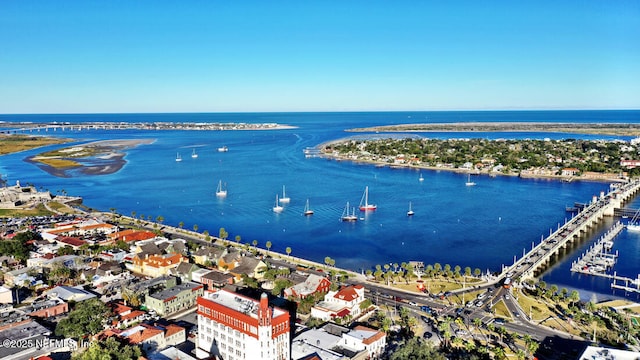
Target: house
[[630, 164], [340, 304], [313, 284], [229, 260], [216, 280], [125, 315], [569, 171], [153, 338], [130, 236], [365, 338], [155, 265], [250, 266], [185, 271], [174, 299], [208, 255]]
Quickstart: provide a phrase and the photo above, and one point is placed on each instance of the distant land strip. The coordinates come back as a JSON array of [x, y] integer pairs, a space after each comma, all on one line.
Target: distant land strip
[[622, 129], [106, 125]]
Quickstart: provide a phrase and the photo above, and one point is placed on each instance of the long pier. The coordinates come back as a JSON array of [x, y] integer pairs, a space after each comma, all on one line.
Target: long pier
[[540, 255]]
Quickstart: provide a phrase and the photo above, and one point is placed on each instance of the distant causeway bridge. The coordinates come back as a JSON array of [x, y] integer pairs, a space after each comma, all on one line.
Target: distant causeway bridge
[[541, 255]]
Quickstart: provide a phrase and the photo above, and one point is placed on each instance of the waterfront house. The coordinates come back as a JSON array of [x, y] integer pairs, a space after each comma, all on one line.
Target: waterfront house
[[249, 266], [174, 299], [569, 171], [208, 255], [312, 285], [340, 304]]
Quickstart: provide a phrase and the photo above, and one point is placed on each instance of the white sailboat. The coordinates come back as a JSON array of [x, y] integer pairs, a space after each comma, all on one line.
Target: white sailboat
[[220, 191], [364, 202], [284, 199], [223, 149], [277, 208], [420, 178], [469, 182], [193, 154], [178, 157], [634, 223], [346, 216], [410, 212], [307, 210]]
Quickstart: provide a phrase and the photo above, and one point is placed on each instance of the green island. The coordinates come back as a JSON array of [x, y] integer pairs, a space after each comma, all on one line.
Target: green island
[[14, 143], [567, 158]]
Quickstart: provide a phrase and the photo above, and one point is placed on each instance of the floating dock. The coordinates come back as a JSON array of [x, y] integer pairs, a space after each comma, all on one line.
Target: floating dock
[[598, 259]]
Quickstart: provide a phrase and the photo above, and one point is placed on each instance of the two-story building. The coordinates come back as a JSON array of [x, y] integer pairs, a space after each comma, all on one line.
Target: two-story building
[[156, 265], [174, 299], [340, 304]]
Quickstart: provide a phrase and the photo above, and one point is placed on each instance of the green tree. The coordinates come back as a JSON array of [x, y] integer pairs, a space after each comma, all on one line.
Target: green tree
[[288, 251], [255, 245], [416, 348], [195, 227], [268, 246], [111, 348], [181, 224], [238, 239], [88, 317], [223, 234]]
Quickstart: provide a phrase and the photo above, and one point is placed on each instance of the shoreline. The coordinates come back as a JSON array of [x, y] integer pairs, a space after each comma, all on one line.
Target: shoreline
[[322, 154]]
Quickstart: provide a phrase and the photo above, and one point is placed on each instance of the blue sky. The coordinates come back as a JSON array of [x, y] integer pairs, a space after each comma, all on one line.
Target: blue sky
[[219, 56]]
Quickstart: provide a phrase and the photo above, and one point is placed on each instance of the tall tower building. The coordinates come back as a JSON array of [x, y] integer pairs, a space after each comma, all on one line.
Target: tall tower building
[[235, 327]]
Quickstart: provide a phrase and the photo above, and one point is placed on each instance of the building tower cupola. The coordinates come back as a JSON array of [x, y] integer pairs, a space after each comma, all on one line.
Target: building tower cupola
[[264, 313]]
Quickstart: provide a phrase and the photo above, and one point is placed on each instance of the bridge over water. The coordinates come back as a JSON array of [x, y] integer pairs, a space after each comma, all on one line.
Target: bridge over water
[[540, 256]]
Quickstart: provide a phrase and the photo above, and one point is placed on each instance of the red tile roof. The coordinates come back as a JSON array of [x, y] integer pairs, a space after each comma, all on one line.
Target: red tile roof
[[348, 293], [71, 240]]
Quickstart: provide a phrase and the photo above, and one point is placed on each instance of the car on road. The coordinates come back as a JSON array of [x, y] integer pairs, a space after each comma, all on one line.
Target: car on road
[[425, 319], [427, 335], [413, 303], [506, 296]]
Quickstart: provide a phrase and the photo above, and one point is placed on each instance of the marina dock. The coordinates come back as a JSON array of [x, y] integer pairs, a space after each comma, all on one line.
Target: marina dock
[[598, 259]]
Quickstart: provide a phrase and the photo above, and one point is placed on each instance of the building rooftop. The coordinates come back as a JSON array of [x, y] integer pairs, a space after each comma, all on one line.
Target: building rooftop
[[599, 353], [239, 303], [173, 291]]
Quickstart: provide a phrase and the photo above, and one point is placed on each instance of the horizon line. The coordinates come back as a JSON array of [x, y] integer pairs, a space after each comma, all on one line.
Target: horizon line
[[322, 111]]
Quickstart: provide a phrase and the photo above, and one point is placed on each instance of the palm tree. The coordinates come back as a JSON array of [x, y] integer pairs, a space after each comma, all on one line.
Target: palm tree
[[288, 251], [181, 224], [268, 246], [477, 272], [238, 238], [195, 227], [255, 245], [223, 234], [133, 214], [160, 219]]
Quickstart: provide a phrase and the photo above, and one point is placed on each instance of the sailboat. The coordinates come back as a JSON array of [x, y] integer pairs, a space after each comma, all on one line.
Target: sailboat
[[284, 199], [307, 210], [420, 178], [348, 217], [178, 157], [193, 154], [410, 212], [364, 202], [277, 208], [223, 149], [220, 192], [469, 182], [634, 223]]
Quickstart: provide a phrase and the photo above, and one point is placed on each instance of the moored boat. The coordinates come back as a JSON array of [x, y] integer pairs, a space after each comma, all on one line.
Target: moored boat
[[277, 207], [307, 209], [220, 191], [410, 212], [346, 216], [178, 157], [364, 202], [284, 199]]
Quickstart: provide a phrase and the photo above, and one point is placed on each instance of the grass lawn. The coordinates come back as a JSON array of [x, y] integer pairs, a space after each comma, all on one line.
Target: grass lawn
[[539, 310], [500, 309], [40, 210]]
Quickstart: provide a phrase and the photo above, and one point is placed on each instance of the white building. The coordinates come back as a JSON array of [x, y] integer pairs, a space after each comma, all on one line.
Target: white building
[[345, 302], [234, 327]]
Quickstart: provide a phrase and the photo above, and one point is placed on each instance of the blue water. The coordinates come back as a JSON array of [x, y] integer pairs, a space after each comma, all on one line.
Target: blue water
[[482, 227]]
